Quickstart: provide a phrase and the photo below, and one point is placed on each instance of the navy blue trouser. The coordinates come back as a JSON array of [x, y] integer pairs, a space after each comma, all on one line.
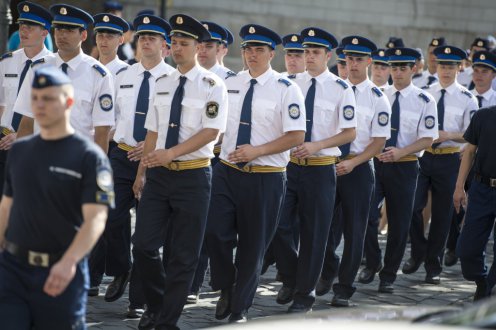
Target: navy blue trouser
[[437, 173], [24, 305], [396, 183], [310, 198], [173, 208], [244, 212], [479, 222], [353, 198]]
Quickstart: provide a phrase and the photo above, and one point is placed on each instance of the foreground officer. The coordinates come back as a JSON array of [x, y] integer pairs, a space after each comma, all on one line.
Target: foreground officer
[[266, 119], [413, 128], [439, 165], [53, 210], [185, 116]]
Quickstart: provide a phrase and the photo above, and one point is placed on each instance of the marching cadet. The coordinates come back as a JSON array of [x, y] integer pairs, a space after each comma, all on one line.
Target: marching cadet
[[266, 119], [93, 111], [340, 67], [430, 76], [224, 46], [293, 54], [57, 189], [331, 122], [465, 76], [209, 49], [413, 128], [109, 31], [439, 165], [186, 113], [355, 171], [34, 24], [395, 42], [380, 71]]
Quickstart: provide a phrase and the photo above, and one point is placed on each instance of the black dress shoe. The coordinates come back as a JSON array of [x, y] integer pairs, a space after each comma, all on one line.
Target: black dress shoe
[[432, 279], [323, 287], [386, 287], [411, 266], [147, 320], [285, 295], [482, 290], [340, 301], [223, 308], [116, 289], [450, 258], [299, 308], [93, 291], [238, 317], [367, 275]]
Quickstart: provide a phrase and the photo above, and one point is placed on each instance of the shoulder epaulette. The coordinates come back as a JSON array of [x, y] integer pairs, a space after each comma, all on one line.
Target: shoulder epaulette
[[425, 87], [377, 91], [284, 81], [124, 68], [6, 55], [230, 74], [424, 97], [292, 76], [162, 76], [38, 61], [100, 70], [210, 81], [342, 83], [466, 92]]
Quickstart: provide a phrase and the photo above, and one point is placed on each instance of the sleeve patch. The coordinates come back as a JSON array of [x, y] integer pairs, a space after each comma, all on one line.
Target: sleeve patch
[[342, 83], [294, 111], [104, 180], [285, 82], [210, 81], [349, 112], [212, 110], [121, 70], [100, 70], [107, 198], [106, 102], [6, 55], [424, 97], [377, 91], [430, 122], [383, 118]]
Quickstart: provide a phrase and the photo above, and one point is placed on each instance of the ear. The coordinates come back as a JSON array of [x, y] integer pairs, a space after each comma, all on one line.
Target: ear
[[329, 55], [272, 54], [69, 102], [121, 39], [84, 35]]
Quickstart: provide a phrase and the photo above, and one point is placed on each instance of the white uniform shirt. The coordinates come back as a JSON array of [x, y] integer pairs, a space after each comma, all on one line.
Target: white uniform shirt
[[278, 107], [423, 80], [459, 106], [115, 65], [464, 78], [373, 113], [202, 90], [334, 107], [127, 86], [418, 115], [384, 87], [93, 93], [488, 98], [220, 70], [10, 73]]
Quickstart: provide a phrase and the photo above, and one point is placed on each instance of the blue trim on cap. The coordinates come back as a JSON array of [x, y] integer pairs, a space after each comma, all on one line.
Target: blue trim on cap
[[317, 41], [64, 19], [259, 38], [342, 57], [150, 27], [34, 18], [448, 57], [293, 45], [401, 59], [111, 26], [357, 49], [215, 35], [488, 63]]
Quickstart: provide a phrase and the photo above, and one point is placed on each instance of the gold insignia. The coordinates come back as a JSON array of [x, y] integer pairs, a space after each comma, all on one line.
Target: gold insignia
[[381, 53], [146, 20], [435, 42], [390, 45], [397, 52], [480, 43], [179, 20], [25, 9], [482, 57], [251, 30], [205, 26], [354, 41], [311, 33], [63, 11], [294, 38], [447, 50], [41, 81], [106, 19], [212, 109]]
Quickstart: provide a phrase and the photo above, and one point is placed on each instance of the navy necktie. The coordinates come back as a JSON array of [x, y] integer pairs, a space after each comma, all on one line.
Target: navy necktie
[[139, 131], [345, 148], [16, 119], [395, 122], [440, 114], [430, 80], [471, 86], [309, 102], [64, 67], [479, 100], [175, 115], [244, 130]]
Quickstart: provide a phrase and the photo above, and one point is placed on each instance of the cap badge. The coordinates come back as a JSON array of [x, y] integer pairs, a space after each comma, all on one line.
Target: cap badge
[[381, 53], [480, 43], [63, 11], [205, 26], [397, 52], [41, 80], [146, 20], [435, 42], [106, 19], [179, 20], [311, 33], [354, 41], [251, 30], [25, 9], [447, 50], [391, 45], [294, 38], [482, 57]]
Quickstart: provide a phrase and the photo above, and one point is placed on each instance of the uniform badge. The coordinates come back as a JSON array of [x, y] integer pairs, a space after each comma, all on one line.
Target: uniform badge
[[383, 118], [42, 80], [294, 111], [209, 80], [390, 45], [106, 19], [435, 42], [106, 102], [354, 41], [104, 179], [179, 20], [349, 112], [311, 33], [104, 197], [251, 30], [480, 43], [398, 52], [447, 50], [212, 110], [482, 57], [63, 11], [205, 26], [294, 38], [25, 9], [381, 53], [430, 121], [146, 20]]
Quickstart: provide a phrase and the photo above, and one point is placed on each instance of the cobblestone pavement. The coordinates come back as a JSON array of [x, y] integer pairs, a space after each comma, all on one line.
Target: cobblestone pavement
[[410, 290]]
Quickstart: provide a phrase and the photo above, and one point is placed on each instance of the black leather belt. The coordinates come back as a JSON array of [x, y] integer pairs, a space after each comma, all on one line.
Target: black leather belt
[[33, 258], [491, 182]]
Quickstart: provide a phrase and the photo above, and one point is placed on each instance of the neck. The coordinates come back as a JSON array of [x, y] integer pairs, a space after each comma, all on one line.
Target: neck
[[315, 73], [431, 72], [56, 132], [209, 66], [106, 59], [379, 83], [66, 56], [150, 63], [482, 89], [33, 51], [184, 68], [446, 85], [400, 86], [356, 81], [255, 73]]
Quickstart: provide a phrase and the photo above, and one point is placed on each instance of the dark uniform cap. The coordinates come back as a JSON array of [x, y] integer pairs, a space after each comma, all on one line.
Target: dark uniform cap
[[340, 55], [485, 58], [48, 76], [112, 5], [315, 37], [257, 34], [402, 55], [187, 26], [292, 42], [110, 23], [144, 24], [229, 39], [31, 13], [395, 42], [146, 12], [481, 42], [217, 32], [69, 15], [450, 54], [379, 56], [358, 46], [437, 42]]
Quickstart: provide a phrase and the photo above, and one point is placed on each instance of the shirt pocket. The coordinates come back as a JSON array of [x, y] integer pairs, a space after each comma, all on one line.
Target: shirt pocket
[[263, 112], [126, 100], [409, 120], [324, 112], [10, 86], [191, 113], [83, 113], [453, 118]]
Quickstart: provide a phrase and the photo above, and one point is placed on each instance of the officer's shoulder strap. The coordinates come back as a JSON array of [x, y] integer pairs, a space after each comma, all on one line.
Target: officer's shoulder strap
[[6, 55], [425, 87], [377, 91], [162, 76], [292, 76], [38, 61], [342, 83], [424, 97], [230, 74], [284, 81], [467, 93], [100, 70], [124, 68]]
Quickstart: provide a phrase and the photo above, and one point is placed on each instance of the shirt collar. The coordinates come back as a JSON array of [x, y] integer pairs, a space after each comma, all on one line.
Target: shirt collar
[[156, 71], [450, 89], [320, 78], [190, 75], [263, 78], [73, 63], [405, 91], [487, 95], [361, 86]]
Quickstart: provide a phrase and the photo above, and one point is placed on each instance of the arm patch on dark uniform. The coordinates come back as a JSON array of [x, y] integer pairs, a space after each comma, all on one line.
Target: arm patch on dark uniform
[[6, 55], [100, 70], [284, 81], [424, 97], [121, 69], [342, 83], [377, 91]]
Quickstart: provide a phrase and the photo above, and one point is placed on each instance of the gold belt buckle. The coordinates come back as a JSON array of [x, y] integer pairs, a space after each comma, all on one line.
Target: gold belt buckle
[[174, 166], [38, 259]]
